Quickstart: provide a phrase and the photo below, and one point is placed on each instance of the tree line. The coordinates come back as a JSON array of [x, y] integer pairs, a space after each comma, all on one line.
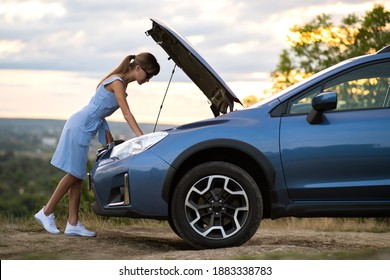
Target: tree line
[[26, 183], [321, 43]]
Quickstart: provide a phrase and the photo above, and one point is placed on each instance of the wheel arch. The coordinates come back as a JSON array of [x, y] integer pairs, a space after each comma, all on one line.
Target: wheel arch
[[236, 152]]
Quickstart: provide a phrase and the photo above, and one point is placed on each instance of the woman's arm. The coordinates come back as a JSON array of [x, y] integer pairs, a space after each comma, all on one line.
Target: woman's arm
[[119, 90]]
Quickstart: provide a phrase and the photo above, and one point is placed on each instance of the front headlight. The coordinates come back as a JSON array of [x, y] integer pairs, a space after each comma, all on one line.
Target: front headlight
[[137, 145]]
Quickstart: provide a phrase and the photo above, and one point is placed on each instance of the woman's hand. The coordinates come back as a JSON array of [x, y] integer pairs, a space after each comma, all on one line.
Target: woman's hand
[[109, 138]]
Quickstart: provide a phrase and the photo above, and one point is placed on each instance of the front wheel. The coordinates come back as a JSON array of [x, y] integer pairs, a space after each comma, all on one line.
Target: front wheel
[[216, 204]]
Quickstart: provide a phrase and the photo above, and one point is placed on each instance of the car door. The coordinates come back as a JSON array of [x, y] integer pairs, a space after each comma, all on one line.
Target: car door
[[346, 157]]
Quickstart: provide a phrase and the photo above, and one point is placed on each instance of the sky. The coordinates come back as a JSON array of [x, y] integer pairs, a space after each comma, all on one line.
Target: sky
[[53, 53]]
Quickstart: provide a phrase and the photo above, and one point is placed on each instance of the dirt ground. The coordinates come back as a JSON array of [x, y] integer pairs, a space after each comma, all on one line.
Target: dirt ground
[[161, 243]]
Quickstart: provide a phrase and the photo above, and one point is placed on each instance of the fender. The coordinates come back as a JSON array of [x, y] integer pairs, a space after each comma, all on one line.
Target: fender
[[242, 147]]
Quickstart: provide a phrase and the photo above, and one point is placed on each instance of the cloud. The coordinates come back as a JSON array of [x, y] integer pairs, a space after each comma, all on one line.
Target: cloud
[[238, 38], [13, 12], [10, 46]]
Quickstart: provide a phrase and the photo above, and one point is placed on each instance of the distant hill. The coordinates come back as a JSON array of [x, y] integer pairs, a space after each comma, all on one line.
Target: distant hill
[[41, 135], [35, 125]]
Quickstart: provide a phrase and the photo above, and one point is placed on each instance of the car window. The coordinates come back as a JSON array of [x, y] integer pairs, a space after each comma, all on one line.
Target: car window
[[303, 104], [363, 88]]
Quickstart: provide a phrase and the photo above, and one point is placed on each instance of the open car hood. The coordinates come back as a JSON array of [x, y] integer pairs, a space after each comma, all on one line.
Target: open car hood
[[196, 68]]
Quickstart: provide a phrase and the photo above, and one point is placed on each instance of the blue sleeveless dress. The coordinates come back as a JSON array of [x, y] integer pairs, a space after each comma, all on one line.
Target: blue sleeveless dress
[[71, 154]]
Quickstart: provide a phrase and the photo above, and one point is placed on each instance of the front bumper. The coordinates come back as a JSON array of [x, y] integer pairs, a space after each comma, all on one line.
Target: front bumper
[[131, 187]]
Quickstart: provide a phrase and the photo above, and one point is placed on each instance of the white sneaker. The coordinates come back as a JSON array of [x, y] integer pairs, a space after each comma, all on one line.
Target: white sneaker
[[79, 230], [47, 222]]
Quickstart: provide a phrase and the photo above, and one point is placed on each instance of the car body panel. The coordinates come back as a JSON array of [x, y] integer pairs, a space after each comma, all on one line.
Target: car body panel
[[339, 158], [195, 138]]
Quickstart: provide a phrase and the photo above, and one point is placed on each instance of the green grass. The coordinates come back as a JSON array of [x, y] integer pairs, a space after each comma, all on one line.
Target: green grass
[[375, 225]]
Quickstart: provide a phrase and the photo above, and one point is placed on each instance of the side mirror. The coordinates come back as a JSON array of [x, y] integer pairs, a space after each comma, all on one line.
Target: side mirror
[[325, 101]]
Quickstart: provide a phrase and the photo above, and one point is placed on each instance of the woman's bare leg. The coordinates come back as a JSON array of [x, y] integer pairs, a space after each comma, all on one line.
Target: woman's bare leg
[[62, 188], [74, 194]]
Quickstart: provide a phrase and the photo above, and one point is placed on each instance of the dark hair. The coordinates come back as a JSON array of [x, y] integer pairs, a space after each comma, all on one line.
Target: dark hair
[[146, 60]]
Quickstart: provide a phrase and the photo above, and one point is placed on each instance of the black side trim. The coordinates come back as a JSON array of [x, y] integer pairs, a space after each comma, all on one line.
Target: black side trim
[[336, 209], [279, 110]]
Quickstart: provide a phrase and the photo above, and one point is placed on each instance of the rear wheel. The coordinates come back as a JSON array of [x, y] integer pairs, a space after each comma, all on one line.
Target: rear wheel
[[216, 204]]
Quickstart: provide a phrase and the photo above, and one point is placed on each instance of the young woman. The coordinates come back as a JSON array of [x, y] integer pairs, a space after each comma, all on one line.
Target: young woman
[[71, 154]]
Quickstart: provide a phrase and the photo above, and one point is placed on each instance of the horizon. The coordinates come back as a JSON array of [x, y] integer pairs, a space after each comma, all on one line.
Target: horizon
[[64, 120]]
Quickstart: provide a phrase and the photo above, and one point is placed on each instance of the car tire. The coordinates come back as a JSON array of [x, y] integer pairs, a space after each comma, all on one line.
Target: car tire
[[215, 205]]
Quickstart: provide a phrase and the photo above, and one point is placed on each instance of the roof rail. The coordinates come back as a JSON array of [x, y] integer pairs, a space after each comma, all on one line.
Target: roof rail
[[384, 50]]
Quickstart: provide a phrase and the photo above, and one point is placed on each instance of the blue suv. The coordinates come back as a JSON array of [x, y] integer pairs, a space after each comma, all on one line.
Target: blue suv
[[320, 148]]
